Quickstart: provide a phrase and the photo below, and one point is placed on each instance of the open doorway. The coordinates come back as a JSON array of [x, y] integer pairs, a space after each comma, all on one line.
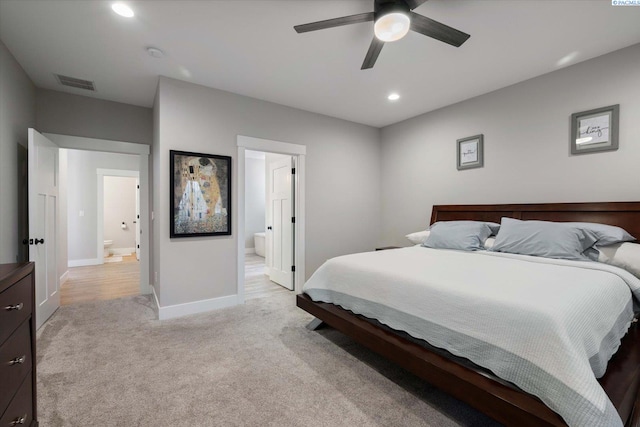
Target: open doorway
[[49, 211], [269, 223], [102, 200], [272, 173]]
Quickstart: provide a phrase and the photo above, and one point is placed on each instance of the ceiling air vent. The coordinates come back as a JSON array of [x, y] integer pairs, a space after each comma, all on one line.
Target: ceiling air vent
[[77, 83]]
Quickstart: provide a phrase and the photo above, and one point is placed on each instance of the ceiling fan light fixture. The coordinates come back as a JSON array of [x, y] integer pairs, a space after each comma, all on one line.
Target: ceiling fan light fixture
[[392, 26]]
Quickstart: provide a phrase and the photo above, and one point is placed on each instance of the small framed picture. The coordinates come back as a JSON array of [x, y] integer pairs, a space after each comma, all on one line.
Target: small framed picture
[[200, 194], [595, 130], [470, 152]]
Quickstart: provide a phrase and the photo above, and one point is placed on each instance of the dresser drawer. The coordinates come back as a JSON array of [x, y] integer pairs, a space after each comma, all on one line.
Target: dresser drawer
[[20, 410], [15, 307], [15, 362]]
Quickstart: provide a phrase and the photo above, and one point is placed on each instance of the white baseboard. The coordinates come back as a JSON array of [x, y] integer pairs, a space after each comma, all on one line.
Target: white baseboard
[[179, 310], [83, 262], [122, 251], [64, 277], [249, 250]]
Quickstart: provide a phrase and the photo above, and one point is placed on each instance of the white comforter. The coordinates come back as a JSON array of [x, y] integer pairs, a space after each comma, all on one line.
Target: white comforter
[[548, 326]]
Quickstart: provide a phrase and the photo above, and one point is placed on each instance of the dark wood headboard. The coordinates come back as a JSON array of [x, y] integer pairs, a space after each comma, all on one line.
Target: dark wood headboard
[[622, 214]]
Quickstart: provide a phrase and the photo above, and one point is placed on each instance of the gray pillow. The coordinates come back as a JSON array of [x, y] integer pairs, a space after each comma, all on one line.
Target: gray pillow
[[546, 239], [492, 225], [607, 234], [460, 235]]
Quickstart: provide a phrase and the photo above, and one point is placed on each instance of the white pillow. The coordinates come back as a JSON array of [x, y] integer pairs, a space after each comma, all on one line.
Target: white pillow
[[624, 255], [418, 237], [488, 244]]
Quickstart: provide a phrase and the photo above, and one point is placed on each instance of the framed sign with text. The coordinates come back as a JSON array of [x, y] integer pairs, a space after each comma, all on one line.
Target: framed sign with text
[[595, 130]]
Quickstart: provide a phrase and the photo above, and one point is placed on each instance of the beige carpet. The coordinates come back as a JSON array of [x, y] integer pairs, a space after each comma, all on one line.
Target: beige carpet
[[109, 363]]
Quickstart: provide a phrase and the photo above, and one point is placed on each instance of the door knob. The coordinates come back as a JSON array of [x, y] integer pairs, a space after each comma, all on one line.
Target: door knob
[[269, 228], [38, 241]]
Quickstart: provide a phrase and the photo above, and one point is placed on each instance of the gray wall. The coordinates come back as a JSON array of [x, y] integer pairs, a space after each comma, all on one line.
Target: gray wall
[[82, 185], [68, 114], [343, 183], [254, 199], [17, 114], [527, 157], [154, 242]]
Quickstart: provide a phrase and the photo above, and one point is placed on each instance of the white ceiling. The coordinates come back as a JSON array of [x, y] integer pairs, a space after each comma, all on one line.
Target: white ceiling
[[250, 48]]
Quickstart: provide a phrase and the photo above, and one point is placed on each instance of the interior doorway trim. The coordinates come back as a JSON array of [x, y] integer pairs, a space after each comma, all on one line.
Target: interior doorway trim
[[299, 153], [143, 151], [100, 192]]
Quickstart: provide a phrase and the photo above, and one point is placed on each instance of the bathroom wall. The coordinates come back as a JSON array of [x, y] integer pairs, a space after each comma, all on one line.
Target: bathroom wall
[[254, 196], [119, 207]]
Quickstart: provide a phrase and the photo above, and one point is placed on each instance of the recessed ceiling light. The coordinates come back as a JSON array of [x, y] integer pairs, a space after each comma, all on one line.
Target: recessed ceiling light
[[566, 60], [155, 52], [122, 10], [393, 97]]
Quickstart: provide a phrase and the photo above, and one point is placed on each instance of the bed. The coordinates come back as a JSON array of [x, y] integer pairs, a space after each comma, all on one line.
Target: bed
[[472, 383]]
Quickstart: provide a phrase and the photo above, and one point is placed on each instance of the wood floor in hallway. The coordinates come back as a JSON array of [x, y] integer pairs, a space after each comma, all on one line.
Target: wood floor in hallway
[[102, 282], [256, 282]]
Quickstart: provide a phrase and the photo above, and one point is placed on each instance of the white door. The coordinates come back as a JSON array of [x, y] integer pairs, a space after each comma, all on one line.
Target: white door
[[137, 220], [43, 220], [280, 222]]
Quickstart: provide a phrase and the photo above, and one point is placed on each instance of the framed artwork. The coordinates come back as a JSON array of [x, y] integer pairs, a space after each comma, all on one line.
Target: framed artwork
[[595, 130], [470, 152], [200, 196]]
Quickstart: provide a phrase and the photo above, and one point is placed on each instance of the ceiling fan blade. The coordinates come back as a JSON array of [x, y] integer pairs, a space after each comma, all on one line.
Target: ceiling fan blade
[[336, 22], [434, 29], [414, 3], [372, 53]]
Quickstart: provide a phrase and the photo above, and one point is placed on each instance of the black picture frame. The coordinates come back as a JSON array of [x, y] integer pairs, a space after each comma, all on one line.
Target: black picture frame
[[199, 194], [595, 130]]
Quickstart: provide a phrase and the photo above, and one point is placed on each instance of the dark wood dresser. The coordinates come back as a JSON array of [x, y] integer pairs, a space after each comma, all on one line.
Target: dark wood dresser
[[17, 345]]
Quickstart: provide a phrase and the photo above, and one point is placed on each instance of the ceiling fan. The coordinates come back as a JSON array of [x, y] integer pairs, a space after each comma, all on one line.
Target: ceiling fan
[[392, 21]]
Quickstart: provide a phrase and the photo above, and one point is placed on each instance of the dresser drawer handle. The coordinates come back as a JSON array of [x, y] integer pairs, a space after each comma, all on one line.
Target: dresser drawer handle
[[18, 360], [16, 307], [19, 421]]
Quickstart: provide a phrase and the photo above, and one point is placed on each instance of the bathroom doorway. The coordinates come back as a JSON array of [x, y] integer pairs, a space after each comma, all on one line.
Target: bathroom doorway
[[103, 226], [269, 224]]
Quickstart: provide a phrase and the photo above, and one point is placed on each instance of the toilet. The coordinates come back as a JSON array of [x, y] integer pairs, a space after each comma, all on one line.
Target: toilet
[[107, 245], [258, 240]]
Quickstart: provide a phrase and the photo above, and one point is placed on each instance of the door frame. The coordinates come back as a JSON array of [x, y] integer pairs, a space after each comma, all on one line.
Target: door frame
[[143, 151], [101, 173], [298, 152]]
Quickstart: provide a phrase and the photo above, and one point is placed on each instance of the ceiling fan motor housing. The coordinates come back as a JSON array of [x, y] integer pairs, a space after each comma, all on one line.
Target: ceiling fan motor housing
[[384, 7]]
